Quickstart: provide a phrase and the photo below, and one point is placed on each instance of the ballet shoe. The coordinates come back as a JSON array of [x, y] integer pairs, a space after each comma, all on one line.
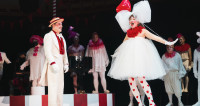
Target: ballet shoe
[[82, 91], [180, 104], [95, 92], [152, 104], [186, 90], [169, 104], [183, 90], [131, 103], [197, 104], [106, 91]]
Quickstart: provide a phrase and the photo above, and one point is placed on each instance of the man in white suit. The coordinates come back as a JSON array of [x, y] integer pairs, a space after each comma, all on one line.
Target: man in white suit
[[56, 63]]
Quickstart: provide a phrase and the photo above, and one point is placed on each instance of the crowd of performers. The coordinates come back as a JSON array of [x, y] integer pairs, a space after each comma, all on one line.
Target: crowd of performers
[[48, 59]]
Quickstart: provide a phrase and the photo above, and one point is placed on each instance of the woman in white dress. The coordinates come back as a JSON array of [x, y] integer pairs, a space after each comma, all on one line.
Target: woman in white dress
[[96, 49], [137, 57]]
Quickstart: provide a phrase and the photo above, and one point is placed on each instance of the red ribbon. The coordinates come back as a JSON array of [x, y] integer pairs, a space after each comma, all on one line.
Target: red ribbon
[[61, 44]]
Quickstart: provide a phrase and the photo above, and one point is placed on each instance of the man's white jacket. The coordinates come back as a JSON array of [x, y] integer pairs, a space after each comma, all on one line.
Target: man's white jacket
[[52, 54]]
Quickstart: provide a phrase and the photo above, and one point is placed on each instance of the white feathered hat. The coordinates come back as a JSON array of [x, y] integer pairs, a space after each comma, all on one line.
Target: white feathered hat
[[141, 11], [198, 34]]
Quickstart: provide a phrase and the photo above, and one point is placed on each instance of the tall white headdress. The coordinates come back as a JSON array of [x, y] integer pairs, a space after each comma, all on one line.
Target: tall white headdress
[[141, 11], [198, 34]]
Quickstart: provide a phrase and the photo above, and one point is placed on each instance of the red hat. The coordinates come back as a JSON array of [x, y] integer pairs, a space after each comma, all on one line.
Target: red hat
[[56, 19], [179, 35], [36, 37], [124, 5]]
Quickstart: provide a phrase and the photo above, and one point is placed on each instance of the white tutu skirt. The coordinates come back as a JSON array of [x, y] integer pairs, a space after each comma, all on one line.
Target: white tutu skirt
[[136, 57]]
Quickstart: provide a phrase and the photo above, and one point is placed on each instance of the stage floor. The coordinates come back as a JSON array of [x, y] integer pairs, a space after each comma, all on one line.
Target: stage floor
[[68, 100]]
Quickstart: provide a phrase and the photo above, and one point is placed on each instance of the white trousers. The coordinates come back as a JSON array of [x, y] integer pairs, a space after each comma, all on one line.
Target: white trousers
[[173, 83], [55, 88]]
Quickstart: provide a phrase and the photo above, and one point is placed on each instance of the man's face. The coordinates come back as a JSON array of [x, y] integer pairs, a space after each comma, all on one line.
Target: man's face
[[95, 38], [57, 27], [35, 43], [76, 40], [170, 49]]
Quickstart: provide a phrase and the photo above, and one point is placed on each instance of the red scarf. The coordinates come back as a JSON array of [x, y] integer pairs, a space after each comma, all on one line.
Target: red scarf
[[61, 44], [135, 31], [0, 57], [170, 55], [182, 48], [96, 45]]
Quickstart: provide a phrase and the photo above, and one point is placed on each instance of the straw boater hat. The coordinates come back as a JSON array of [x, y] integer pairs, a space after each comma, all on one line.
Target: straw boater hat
[[56, 19]]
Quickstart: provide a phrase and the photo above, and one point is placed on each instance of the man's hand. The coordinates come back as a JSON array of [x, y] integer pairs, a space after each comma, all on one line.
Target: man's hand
[[21, 67]]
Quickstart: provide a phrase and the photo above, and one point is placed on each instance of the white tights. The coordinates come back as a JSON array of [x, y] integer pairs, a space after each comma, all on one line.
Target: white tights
[[35, 82], [146, 88], [142, 94], [96, 81]]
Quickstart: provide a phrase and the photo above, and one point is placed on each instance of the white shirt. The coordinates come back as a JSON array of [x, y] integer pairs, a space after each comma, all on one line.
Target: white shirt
[[174, 63]]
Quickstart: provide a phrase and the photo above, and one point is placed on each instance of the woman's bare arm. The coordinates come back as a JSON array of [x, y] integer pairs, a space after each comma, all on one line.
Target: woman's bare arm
[[126, 38]]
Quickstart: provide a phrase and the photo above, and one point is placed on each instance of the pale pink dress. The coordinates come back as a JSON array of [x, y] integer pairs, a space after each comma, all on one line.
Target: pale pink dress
[[99, 56]]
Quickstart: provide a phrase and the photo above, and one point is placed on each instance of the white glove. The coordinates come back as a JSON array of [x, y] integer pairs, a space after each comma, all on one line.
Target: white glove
[[196, 75], [171, 43], [55, 68], [66, 68], [22, 67]]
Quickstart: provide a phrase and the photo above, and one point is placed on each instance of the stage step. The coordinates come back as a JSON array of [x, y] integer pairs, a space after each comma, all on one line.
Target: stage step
[[68, 100]]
